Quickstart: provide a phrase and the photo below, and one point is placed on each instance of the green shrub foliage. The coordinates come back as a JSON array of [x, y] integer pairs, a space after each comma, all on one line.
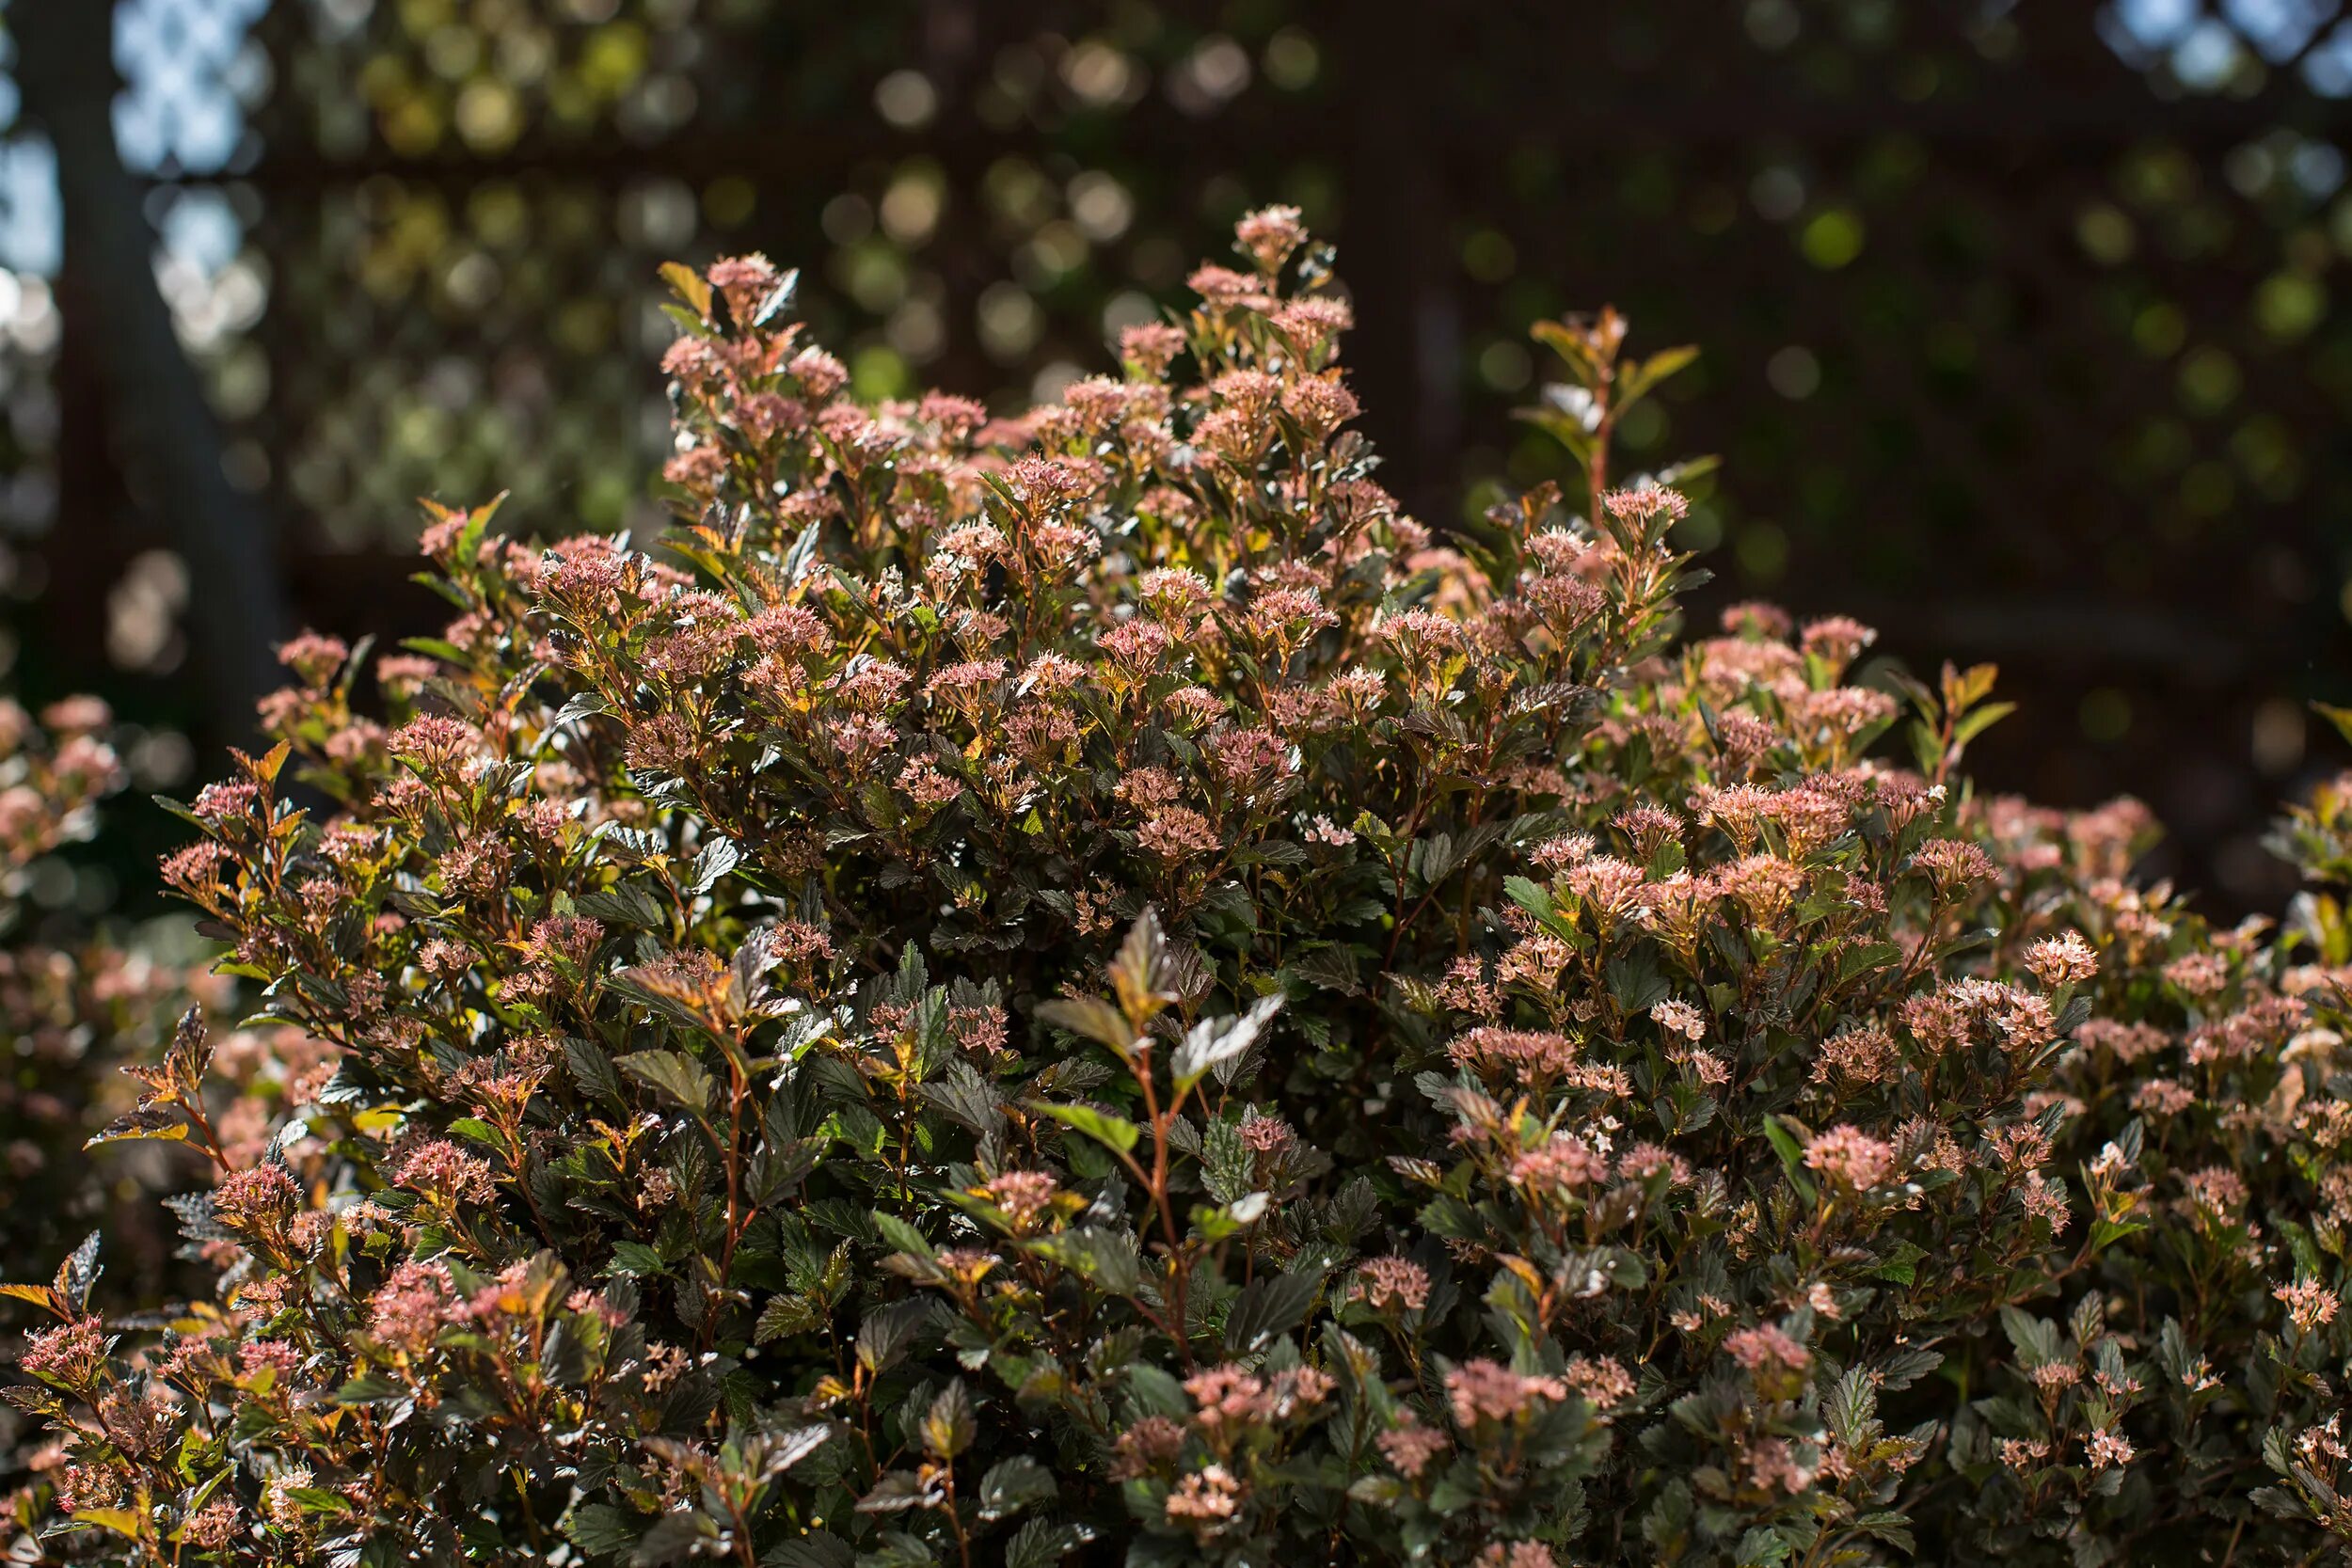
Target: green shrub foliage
[[1082, 988]]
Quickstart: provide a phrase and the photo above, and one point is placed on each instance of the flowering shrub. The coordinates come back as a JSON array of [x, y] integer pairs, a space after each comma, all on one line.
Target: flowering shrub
[[76, 1000], [54, 1001], [72, 1006], [1086, 988]]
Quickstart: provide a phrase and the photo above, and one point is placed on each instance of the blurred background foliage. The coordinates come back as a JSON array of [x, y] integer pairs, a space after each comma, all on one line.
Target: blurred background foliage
[[2020, 321]]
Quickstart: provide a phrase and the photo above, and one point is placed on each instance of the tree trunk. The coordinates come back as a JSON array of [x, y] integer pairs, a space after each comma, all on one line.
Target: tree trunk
[[156, 400]]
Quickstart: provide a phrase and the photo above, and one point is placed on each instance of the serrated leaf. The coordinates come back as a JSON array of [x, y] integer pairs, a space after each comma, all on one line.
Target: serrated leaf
[[899, 1491], [1215, 1040], [1980, 719], [1642, 379], [600, 1529], [39, 1295], [781, 1451], [474, 1129], [1104, 1128], [717, 857], [1901, 1268], [372, 1389], [2105, 1233], [887, 1332], [1107, 1259], [898, 1233], [156, 1124], [1139, 972], [779, 298], [623, 904], [688, 286], [786, 1316], [593, 1069], [676, 1074], [78, 1274], [1092, 1018], [581, 705], [1866, 958], [949, 1426], [818, 1548], [1012, 1485], [1792, 1154], [120, 1520], [1042, 1542], [1332, 968], [635, 1258], [673, 1537], [1529, 896], [1269, 1306]]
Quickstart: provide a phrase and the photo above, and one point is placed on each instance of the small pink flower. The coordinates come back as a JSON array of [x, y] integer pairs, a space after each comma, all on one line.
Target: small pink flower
[[441, 1168], [70, 1355], [2309, 1303], [1270, 234], [1024, 1196], [1266, 1135], [1393, 1283], [1602, 1380], [1767, 1347], [256, 1197], [1850, 1158], [2062, 960], [1205, 1498], [1489, 1391], [1410, 1445], [1682, 1017]]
